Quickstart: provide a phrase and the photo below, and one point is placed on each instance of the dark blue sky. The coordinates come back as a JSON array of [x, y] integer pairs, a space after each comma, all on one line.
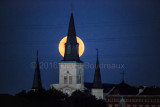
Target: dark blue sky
[[125, 32]]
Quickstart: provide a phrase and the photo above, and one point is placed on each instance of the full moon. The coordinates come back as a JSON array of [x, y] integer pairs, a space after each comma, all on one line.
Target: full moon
[[61, 46]]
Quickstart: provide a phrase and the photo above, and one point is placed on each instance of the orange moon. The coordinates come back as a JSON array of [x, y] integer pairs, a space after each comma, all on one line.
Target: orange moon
[[61, 46]]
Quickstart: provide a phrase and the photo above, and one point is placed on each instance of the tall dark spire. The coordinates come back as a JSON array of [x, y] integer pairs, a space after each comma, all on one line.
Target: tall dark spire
[[37, 85], [71, 47], [97, 83]]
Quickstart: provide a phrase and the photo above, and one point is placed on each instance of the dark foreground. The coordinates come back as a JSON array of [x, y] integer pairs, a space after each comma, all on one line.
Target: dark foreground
[[50, 98]]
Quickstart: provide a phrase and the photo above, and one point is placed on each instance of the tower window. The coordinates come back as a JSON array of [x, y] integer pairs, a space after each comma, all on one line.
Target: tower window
[[79, 77], [70, 79], [77, 48], [68, 49], [65, 79]]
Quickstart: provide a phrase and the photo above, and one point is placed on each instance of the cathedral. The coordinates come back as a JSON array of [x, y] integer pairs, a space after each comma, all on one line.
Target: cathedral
[[71, 78], [71, 69]]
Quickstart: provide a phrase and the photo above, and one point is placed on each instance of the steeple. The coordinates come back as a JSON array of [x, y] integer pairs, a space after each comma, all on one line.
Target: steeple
[[71, 47], [37, 85], [97, 83]]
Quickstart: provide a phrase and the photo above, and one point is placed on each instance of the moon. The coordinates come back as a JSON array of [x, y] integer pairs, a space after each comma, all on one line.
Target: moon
[[61, 46]]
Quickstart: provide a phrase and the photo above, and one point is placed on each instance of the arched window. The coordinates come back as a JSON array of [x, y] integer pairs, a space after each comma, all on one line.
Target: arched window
[[68, 48], [79, 77], [65, 79], [70, 79]]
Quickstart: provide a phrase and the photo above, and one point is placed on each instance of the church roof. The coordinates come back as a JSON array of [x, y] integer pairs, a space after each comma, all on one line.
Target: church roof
[[37, 77], [97, 83], [151, 91], [71, 47], [106, 86], [124, 89]]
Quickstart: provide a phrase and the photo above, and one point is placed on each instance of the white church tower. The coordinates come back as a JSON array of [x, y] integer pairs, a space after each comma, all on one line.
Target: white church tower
[[71, 68]]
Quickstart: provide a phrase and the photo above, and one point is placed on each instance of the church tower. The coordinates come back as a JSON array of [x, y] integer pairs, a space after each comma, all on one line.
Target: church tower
[[97, 89], [71, 68], [37, 84], [71, 47]]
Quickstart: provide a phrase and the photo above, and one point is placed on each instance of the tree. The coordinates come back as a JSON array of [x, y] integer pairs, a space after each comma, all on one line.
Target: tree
[[85, 99]]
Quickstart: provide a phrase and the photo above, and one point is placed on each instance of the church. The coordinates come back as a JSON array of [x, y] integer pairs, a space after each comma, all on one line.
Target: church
[[71, 78], [71, 69]]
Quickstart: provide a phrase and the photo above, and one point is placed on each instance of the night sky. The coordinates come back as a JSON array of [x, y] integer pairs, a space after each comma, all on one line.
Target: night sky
[[126, 32]]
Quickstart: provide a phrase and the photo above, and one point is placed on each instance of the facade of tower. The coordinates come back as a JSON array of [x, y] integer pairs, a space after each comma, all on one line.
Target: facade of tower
[[71, 68]]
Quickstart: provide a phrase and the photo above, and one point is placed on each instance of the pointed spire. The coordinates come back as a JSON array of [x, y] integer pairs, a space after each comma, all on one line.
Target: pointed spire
[[97, 83], [71, 47], [37, 85], [71, 31]]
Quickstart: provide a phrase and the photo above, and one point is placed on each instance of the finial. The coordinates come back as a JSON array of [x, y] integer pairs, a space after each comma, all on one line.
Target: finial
[[123, 73], [37, 52], [97, 51], [71, 7], [97, 56]]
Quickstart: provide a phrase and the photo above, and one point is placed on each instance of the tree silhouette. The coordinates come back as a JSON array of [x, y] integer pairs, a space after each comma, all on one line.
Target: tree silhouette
[[51, 98]]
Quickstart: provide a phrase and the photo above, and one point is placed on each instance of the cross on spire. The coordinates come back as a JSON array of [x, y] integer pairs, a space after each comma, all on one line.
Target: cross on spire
[[97, 51], [97, 63], [123, 73], [37, 52], [72, 7]]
